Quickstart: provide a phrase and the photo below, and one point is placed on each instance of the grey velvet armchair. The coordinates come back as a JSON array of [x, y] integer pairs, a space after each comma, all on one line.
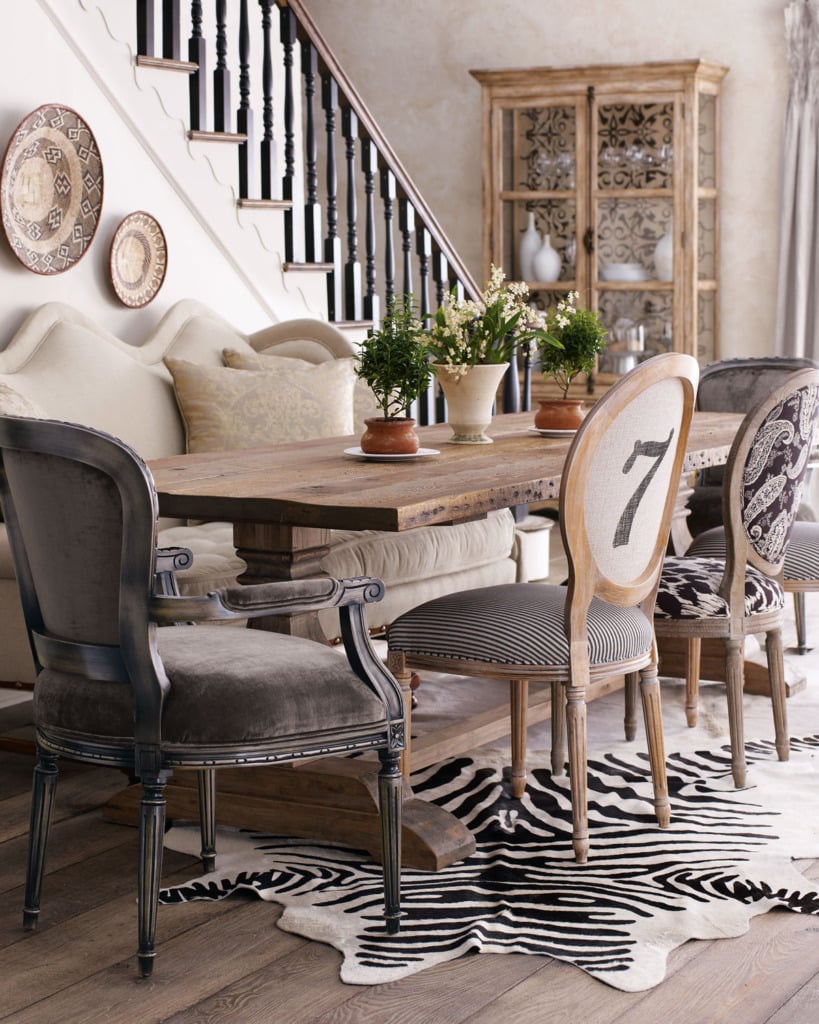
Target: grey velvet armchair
[[118, 683]]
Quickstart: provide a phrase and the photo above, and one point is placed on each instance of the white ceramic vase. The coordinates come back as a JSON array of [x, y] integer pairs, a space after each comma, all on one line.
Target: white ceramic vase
[[664, 256], [530, 242], [546, 263], [470, 399]]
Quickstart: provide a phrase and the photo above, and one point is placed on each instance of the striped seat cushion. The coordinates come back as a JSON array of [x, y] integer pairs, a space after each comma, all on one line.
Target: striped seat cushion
[[516, 624], [688, 590], [801, 556]]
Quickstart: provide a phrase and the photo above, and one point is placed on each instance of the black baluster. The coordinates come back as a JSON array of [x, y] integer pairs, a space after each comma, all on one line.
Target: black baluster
[[312, 208], [423, 246], [369, 165], [440, 275], [352, 268], [244, 115], [406, 225], [388, 198], [146, 30], [171, 27], [288, 38], [332, 243], [221, 74], [197, 53], [269, 171]]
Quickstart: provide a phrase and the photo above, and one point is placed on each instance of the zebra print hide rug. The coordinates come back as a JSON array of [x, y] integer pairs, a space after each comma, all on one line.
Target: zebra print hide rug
[[644, 891]]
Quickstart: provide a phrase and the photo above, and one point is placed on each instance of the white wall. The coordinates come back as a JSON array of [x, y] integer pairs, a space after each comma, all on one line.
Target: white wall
[[411, 61], [40, 66]]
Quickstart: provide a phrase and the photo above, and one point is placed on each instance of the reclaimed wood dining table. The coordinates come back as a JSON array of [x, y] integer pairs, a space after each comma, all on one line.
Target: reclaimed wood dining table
[[283, 502]]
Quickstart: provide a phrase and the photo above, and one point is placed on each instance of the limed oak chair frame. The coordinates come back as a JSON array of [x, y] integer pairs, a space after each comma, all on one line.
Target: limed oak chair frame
[[617, 495], [113, 688]]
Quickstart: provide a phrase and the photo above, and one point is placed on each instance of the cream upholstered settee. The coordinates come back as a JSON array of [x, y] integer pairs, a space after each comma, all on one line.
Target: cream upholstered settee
[[62, 365]]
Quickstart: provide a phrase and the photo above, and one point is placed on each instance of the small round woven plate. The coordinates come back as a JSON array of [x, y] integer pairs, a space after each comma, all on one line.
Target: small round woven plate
[[51, 189], [138, 260]]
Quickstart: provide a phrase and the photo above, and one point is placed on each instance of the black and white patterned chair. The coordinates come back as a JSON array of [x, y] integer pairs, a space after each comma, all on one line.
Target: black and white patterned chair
[[738, 385], [617, 494], [742, 592], [112, 688]]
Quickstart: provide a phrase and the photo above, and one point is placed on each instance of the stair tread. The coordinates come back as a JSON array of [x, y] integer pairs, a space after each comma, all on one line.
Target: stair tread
[[166, 64], [197, 135], [324, 267]]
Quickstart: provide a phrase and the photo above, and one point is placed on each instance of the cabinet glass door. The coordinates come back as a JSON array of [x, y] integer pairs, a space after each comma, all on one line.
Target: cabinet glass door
[[539, 199], [633, 173]]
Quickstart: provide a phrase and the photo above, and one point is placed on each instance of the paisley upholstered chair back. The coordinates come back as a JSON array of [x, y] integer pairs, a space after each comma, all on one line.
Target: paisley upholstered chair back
[[622, 475], [769, 468]]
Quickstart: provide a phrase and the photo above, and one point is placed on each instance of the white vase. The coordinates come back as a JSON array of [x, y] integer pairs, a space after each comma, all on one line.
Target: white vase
[[470, 398], [664, 256], [546, 263], [529, 244]]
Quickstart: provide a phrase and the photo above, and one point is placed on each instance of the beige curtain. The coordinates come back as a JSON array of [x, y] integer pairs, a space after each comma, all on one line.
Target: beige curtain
[[797, 318]]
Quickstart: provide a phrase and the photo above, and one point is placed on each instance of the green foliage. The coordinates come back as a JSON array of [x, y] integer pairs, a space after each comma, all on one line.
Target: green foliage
[[393, 360], [580, 338]]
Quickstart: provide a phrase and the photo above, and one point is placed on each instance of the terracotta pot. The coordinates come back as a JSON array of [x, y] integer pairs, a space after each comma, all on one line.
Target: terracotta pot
[[389, 437], [560, 414]]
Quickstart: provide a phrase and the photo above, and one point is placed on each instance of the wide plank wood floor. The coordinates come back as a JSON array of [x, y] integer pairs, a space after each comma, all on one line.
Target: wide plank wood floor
[[228, 962]]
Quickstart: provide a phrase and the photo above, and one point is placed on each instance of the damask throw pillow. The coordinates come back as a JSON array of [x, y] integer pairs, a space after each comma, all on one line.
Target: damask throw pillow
[[224, 408], [364, 403]]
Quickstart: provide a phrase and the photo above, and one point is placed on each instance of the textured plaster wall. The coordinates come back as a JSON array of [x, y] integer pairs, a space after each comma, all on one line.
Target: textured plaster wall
[[411, 61]]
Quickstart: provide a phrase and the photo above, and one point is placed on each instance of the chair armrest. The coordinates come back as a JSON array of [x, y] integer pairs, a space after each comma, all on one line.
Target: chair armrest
[[173, 559], [283, 597]]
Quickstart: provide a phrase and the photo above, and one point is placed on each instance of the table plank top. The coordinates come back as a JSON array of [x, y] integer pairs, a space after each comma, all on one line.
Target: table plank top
[[313, 483]]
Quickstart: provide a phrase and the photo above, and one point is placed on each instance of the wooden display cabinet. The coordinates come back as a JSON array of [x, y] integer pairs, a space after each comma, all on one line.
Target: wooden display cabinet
[[610, 159]]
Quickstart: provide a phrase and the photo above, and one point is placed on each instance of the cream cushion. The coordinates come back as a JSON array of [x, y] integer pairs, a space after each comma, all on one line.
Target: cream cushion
[[364, 404], [225, 408]]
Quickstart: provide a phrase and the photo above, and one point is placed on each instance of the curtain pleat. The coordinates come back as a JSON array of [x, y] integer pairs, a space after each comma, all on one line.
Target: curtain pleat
[[797, 322]]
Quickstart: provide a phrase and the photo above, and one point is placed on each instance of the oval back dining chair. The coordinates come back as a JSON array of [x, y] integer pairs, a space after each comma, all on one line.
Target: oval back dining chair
[[737, 385], [618, 490], [732, 590], [112, 688]]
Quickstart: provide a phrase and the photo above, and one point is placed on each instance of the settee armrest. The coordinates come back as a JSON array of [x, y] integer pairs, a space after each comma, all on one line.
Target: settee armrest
[[283, 597]]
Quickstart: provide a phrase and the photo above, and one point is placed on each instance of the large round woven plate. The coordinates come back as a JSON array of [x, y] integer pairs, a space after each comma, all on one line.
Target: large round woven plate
[[139, 258], [51, 189]]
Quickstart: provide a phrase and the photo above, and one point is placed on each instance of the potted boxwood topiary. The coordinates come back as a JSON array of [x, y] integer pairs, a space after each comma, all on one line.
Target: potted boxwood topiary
[[581, 337], [393, 361]]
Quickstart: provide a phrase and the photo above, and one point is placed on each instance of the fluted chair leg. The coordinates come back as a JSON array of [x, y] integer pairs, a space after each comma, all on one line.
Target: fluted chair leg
[[799, 616], [578, 769], [43, 787], [151, 833], [734, 681], [558, 729], [653, 717], [630, 718], [519, 696], [389, 799], [776, 673], [206, 784], [692, 680]]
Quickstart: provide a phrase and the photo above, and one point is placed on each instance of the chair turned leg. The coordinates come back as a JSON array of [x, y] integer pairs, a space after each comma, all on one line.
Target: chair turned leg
[[578, 770], [519, 700], [43, 788], [692, 680], [653, 717], [734, 681], [776, 672], [799, 616], [397, 664], [630, 719], [151, 833], [206, 784], [558, 729], [389, 802]]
